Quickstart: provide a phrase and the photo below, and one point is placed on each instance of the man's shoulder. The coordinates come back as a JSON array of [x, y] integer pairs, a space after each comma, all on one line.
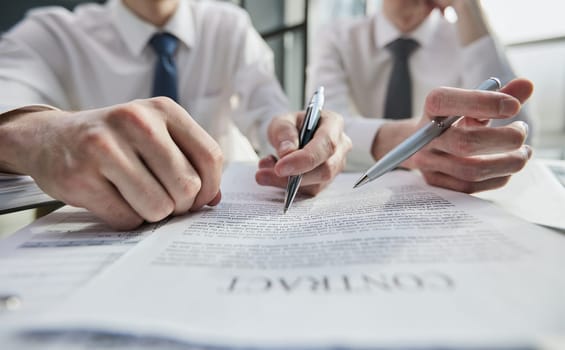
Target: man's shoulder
[[347, 31], [221, 20], [219, 10], [345, 28], [83, 16]]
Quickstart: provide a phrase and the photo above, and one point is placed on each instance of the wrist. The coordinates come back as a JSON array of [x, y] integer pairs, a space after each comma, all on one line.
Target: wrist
[[464, 7], [22, 134]]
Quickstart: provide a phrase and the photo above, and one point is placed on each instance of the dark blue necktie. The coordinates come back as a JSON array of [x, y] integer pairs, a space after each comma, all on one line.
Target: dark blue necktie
[[398, 104], [165, 80]]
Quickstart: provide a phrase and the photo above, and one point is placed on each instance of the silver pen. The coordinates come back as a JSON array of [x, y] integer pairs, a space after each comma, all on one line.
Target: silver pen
[[417, 140], [309, 126]]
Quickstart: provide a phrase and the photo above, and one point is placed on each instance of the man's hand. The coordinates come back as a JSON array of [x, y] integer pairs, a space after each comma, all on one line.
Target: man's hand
[[471, 22], [320, 160], [470, 156], [140, 161]]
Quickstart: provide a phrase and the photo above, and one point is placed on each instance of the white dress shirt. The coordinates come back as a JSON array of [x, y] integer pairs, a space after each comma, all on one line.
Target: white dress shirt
[[351, 61], [98, 55]]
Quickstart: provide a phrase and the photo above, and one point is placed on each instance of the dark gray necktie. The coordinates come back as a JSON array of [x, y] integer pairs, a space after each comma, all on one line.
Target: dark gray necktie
[[398, 103], [165, 80]]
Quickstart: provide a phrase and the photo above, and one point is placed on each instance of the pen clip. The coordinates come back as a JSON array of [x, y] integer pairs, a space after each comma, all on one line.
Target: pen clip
[[314, 108]]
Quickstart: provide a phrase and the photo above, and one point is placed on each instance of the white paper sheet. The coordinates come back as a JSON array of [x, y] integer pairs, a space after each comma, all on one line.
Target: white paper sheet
[[536, 194], [42, 264], [395, 263]]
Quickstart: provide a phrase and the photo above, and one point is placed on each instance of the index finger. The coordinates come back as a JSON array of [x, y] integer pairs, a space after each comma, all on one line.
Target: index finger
[[520, 88], [446, 101]]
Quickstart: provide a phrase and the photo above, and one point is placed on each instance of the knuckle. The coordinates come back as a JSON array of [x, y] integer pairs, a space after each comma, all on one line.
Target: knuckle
[[124, 114], [435, 100], [190, 187], [134, 116], [472, 172], [192, 195], [162, 103], [93, 142], [215, 156], [331, 145], [464, 142]]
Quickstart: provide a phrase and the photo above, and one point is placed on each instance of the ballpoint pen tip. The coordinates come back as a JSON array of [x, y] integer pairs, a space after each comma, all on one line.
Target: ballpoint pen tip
[[363, 180]]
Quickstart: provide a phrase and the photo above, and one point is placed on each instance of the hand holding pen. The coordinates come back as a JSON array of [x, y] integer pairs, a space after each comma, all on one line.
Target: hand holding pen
[[309, 126], [470, 156], [319, 160]]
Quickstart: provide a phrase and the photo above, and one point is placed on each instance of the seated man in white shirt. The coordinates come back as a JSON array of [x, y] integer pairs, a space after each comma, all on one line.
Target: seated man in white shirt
[[355, 61], [75, 90]]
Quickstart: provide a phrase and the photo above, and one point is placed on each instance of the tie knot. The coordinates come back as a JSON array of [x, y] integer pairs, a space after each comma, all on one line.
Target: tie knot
[[401, 48], [164, 44]]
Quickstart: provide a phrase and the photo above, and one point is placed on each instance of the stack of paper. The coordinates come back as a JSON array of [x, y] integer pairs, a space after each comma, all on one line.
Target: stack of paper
[[536, 193], [20, 192], [396, 264]]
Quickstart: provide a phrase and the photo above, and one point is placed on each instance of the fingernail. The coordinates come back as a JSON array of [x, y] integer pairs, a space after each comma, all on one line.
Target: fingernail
[[285, 146], [508, 106], [525, 127], [527, 151]]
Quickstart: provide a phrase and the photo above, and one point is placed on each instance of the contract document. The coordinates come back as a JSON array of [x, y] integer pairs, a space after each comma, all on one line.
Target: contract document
[[394, 264], [46, 262]]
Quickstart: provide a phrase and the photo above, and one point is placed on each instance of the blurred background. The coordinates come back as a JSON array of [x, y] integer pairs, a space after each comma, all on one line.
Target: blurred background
[[532, 32]]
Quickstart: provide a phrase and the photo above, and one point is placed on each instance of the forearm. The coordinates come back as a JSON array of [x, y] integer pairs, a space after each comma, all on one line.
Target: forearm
[[389, 135], [471, 22]]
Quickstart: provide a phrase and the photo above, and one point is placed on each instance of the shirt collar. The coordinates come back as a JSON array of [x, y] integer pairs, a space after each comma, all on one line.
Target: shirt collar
[[386, 32], [136, 33]]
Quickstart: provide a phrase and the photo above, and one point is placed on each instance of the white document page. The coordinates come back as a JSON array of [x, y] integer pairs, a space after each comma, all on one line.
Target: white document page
[[535, 194], [43, 263], [394, 263]]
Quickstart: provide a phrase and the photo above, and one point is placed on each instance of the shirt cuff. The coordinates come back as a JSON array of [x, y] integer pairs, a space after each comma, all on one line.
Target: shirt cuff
[[4, 109], [362, 132]]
